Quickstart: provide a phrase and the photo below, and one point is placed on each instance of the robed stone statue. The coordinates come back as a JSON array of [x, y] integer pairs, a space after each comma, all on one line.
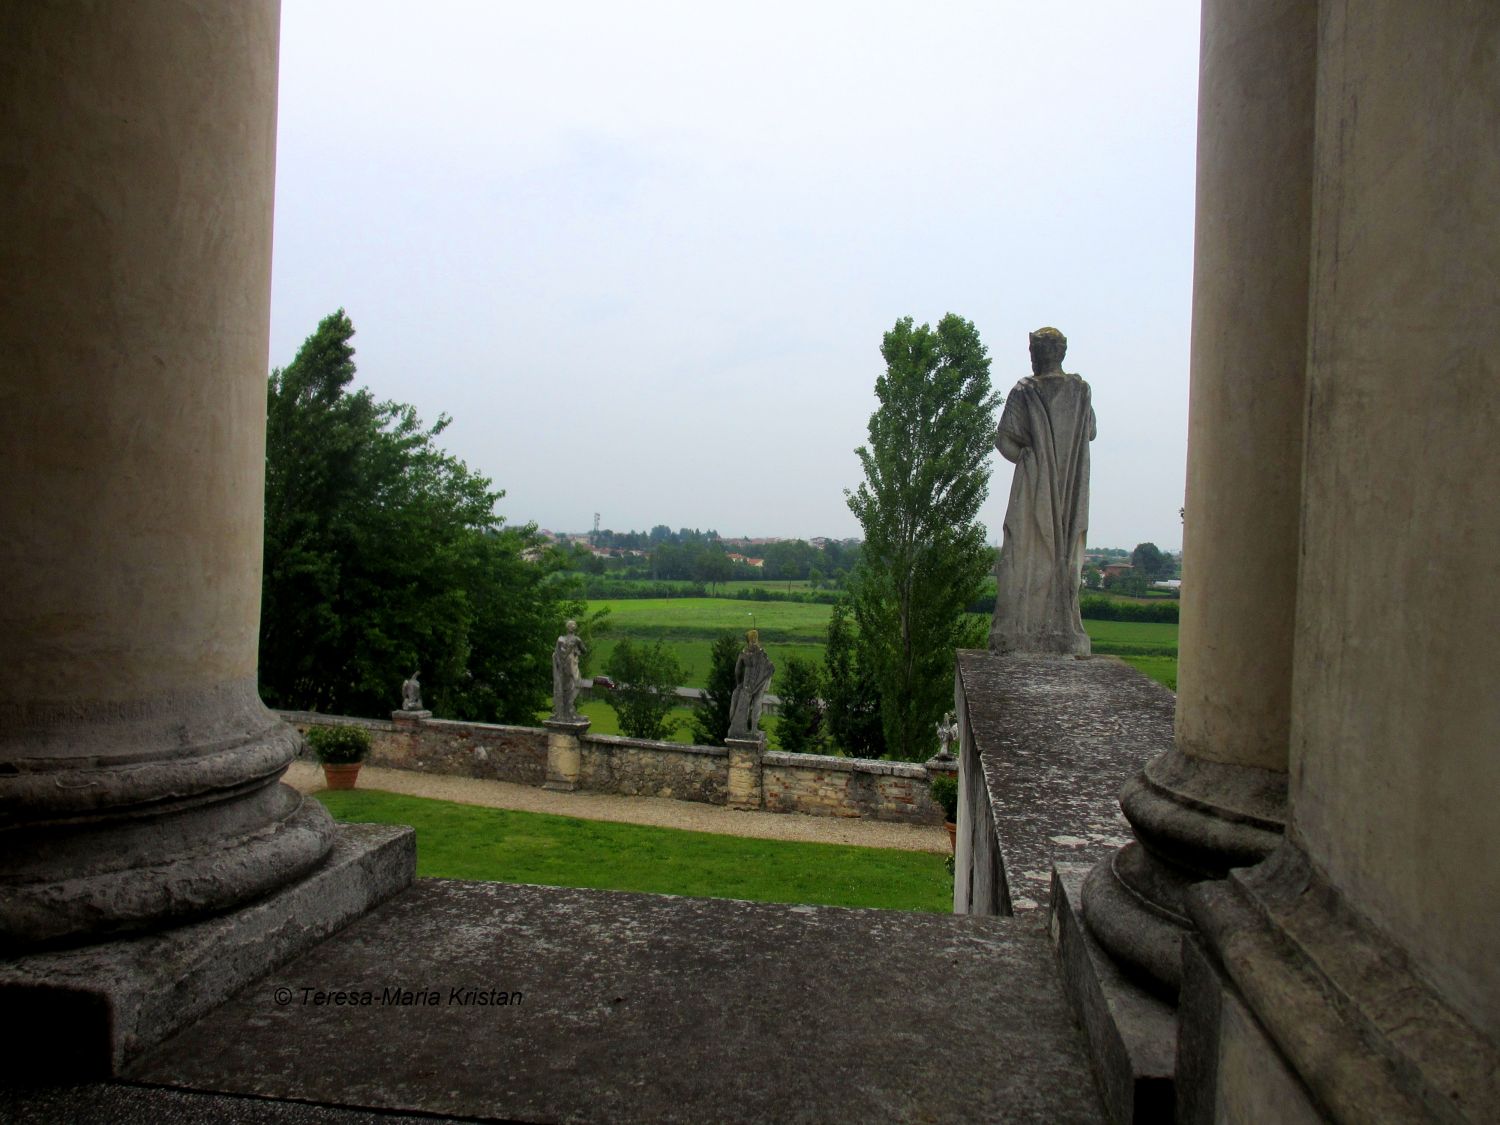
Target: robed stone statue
[[752, 676], [1045, 429], [565, 675]]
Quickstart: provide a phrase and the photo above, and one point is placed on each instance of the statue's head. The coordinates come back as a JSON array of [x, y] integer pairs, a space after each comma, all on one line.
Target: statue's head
[[1048, 346], [753, 636], [571, 626]]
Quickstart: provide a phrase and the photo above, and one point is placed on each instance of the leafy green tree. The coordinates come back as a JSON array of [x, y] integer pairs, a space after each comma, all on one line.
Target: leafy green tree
[[383, 554], [925, 558], [799, 730], [852, 715], [647, 677], [712, 566], [711, 713], [1148, 560]]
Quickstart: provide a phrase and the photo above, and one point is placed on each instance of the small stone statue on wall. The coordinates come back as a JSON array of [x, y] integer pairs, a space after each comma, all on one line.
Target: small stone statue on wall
[[947, 731], [565, 674], [1045, 430], [752, 676], [411, 694]]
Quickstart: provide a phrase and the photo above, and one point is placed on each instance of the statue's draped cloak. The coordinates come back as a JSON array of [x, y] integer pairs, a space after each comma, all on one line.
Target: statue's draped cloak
[[752, 673], [1046, 521]]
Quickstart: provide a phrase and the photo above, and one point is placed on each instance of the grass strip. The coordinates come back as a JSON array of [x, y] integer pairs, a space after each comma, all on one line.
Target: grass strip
[[466, 842]]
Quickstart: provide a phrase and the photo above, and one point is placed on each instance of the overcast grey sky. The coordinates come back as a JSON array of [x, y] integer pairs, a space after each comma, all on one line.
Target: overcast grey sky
[[644, 253]]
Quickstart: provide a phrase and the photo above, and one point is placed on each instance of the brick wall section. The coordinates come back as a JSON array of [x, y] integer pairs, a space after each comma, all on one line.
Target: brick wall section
[[828, 786], [641, 768], [485, 750]]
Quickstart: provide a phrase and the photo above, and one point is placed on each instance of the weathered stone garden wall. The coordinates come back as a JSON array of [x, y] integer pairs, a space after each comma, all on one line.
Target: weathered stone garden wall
[[828, 786], [640, 768], [814, 784], [484, 750]]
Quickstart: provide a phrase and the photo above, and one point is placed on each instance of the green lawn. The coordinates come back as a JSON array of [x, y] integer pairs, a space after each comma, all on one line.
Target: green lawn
[[465, 842], [1162, 669]]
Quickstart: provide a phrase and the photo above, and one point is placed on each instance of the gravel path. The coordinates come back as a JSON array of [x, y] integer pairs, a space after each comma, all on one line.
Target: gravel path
[[661, 812]]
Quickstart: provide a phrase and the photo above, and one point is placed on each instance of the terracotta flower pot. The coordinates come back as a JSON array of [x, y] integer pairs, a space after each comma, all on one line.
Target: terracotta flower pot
[[948, 824], [341, 776]]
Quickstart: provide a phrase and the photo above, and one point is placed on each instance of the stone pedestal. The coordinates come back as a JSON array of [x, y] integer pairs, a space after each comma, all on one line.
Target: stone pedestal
[[564, 755], [409, 719], [745, 789]]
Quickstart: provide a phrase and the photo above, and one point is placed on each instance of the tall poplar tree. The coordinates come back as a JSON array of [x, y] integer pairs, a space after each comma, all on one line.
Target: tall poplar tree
[[925, 557]]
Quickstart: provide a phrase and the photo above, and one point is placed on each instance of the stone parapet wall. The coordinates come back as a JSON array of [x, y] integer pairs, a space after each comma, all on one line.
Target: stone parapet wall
[[821, 785], [813, 784], [641, 768], [442, 746]]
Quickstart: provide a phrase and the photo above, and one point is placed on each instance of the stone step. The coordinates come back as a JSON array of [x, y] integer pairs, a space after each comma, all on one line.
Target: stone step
[[497, 1001]]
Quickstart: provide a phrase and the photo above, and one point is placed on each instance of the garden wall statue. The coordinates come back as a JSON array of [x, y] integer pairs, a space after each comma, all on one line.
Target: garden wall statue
[[1045, 429], [565, 674], [411, 694], [752, 676]]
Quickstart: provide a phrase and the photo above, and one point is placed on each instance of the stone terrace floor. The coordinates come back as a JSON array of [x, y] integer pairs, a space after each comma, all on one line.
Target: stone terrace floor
[[634, 1008]]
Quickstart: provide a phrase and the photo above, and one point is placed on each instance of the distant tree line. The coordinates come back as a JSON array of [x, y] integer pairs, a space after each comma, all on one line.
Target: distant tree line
[[689, 555]]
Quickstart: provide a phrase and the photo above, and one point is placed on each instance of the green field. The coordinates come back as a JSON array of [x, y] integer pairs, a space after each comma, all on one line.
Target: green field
[[1152, 638], [465, 842], [672, 618], [779, 584], [693, 655], [602, 720], [689, 625]]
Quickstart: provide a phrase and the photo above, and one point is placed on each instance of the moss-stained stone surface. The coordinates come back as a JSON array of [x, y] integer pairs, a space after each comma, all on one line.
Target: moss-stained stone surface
[[655, 1009], [1057, 737]]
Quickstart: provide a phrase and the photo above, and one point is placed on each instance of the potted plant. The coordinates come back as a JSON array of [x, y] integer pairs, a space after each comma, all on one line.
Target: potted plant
[[341, 751], [944, 788]]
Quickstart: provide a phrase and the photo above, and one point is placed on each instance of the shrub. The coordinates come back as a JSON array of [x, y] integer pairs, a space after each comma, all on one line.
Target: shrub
[[1096, 607], [944, 789], [647, 677], [800, 730], [711, 713], [339, 746]]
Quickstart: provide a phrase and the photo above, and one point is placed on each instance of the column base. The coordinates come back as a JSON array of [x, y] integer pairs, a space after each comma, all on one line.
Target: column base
[[89, 1011], [1193, 820], [1296, 1008], [1132, 1033]]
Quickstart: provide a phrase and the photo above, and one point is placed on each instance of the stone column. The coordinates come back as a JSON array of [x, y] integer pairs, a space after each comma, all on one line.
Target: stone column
[[564, 755], [1396, 700], [1363, 957], [746, 772], [1218, 799], [139, 771]]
